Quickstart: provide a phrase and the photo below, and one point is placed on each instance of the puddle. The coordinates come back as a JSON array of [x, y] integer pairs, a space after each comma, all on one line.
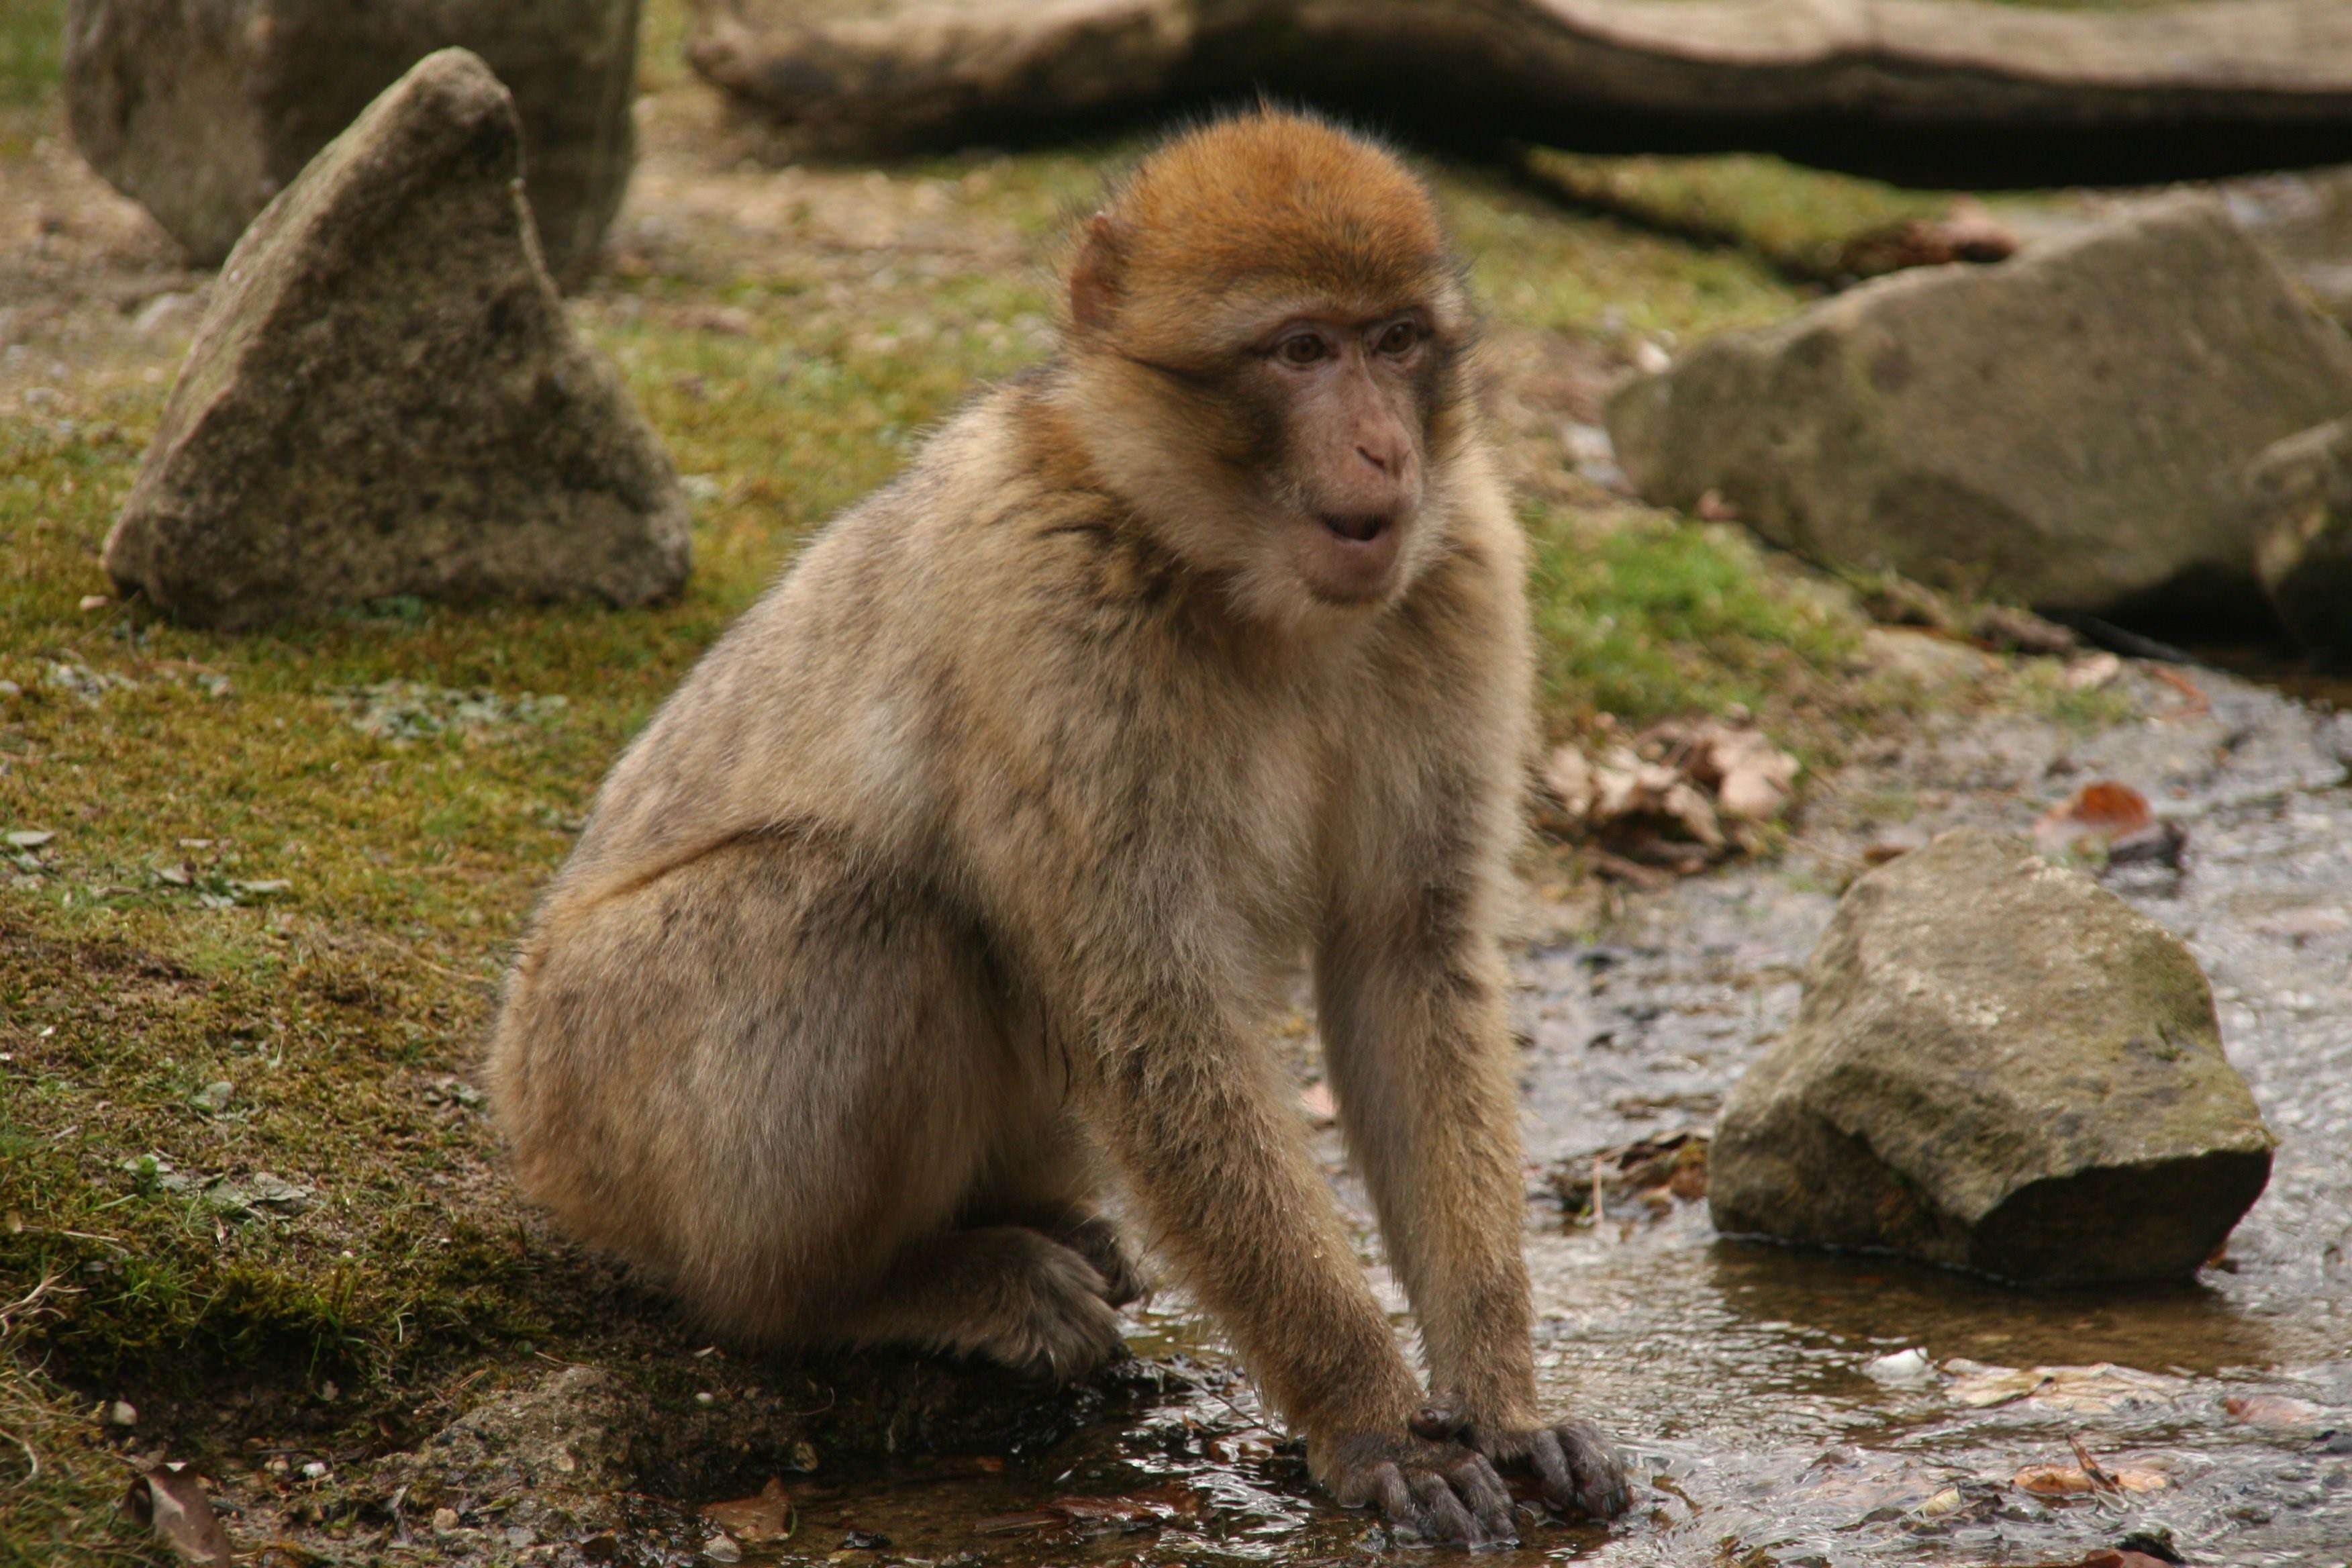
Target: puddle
[[1739, 1375]]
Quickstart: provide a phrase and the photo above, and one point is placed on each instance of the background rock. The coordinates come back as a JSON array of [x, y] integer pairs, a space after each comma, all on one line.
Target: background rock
[[1999, 1066], [2067, 429], [204, 112], [2302, 524], [386, 396], [1868, 83]]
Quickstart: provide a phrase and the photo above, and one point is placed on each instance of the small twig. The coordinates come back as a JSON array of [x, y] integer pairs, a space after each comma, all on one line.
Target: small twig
[[2100, 1476], [1598, 1214], [32, 1460], [2198, 702]]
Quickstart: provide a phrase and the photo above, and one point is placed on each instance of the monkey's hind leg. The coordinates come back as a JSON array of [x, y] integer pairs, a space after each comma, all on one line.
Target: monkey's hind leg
[[786, 1081]]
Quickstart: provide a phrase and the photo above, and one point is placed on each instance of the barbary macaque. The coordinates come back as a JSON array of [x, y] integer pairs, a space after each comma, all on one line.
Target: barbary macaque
[[961, 878]]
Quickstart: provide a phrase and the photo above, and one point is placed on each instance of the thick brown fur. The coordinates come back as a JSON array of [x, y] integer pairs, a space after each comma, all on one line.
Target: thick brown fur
[[964, 874]]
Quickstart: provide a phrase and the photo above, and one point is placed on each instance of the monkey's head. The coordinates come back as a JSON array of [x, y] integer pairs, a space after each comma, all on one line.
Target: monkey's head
[[1266, 340]]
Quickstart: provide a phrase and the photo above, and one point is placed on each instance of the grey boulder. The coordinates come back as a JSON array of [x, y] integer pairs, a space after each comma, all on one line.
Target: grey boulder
[[386, 397], [2068, 429], [202, 111], [1997, 1065], [2301, 504]]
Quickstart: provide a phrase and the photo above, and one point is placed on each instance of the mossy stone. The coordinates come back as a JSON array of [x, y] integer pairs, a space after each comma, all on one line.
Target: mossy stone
[[1999, 1066]]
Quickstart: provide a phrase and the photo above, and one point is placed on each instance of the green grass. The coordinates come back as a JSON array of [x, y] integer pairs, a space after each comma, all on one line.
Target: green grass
[[1643, 618], [32, 50], [1792, 219]]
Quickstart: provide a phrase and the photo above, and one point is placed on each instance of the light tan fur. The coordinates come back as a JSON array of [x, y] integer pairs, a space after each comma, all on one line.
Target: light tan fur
[[965, 869]]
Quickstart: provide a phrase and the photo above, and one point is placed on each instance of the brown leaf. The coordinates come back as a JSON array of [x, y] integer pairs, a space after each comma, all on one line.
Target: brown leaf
[[2073, 1480], [171, 1500], [2106, 813], [2054, 1480], [754, 1520]]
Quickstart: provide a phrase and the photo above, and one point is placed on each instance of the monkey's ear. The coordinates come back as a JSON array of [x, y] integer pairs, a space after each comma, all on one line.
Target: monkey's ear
[[1096, 276]]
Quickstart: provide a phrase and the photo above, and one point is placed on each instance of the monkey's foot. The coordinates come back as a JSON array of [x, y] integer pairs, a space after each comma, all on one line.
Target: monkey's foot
[[1006, 1292], [1578, 1466], [1098, 1241], [1441, 1491]]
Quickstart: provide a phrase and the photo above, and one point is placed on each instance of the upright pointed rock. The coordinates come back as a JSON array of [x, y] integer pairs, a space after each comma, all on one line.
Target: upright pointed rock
[[386, 396]]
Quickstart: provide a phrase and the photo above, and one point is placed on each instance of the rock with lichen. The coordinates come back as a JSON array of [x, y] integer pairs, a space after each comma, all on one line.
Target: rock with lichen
[[2066, 430], [2000, 1066], [385, 397]]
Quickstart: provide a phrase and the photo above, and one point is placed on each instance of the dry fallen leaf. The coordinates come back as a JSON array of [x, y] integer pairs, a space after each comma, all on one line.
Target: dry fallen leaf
[[1644, 1178], [754, 1520], [1682, 794], [171, 1500], [2073, 1480], [2114, 816]]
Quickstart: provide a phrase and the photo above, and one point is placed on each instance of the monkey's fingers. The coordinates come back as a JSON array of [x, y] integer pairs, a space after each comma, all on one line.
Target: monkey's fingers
[[1473, 1476], [1441, 1515], [1382, 1484], [1580, 1468]]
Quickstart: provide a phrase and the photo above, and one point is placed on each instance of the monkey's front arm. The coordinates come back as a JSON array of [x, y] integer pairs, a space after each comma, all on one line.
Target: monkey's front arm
[[1191, 1107], [1411, 989]]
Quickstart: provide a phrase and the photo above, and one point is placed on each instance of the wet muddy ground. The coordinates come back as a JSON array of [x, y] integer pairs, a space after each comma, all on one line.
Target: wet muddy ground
[[1741, 1377]]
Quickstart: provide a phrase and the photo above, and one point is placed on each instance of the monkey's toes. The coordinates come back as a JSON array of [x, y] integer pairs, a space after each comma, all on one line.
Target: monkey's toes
[[1580, 1468], [1098, 1242], [1064, 1326]]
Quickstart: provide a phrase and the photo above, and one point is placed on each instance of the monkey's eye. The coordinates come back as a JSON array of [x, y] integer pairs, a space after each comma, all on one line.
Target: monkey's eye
[[1304, 349], [1399, 337]]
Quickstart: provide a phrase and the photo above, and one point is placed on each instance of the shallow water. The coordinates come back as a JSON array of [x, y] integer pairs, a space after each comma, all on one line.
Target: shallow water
[[1736, 1373]]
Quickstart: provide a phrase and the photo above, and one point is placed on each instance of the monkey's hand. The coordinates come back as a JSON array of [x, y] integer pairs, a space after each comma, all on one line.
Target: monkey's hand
[[1442, 1491], [1578, 1466]]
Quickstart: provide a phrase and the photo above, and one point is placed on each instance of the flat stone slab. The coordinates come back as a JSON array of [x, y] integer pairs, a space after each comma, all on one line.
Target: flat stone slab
[[386, 397], [2000, 1066]]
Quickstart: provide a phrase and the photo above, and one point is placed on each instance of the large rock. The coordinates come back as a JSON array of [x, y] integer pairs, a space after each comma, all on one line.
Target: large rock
[[1895, 85], [386, 397], [1999, 1066], [204, 109], [2301, 491], [2068, 428]]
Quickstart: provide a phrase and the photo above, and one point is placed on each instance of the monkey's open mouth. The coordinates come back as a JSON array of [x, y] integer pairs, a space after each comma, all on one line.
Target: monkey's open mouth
[[1362, 529]]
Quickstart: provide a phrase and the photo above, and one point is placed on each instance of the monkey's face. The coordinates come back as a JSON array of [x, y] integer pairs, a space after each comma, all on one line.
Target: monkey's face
[[1344, 399]]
